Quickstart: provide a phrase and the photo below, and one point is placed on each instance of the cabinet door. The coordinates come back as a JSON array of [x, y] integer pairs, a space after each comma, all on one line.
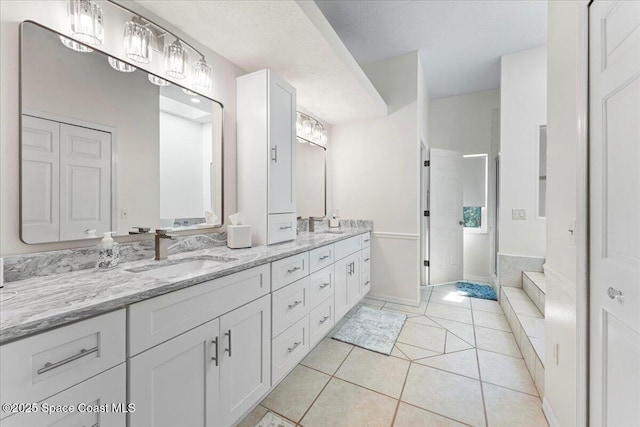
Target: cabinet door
[[354, 291], [176, 383], [342, 270], [245, 373], [282, 149]]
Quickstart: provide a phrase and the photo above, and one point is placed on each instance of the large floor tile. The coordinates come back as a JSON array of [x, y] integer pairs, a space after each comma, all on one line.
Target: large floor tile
[[449, 287], [254, 417], [425, 294], [414, 353], [374, 371], [454, 343], [296, 392], [462, 362], [410, 416], [497, 341], [506, 371], [506, 408], [327, 355], [461, 330], [423, 336], [342, 404], [423, 320], [450, 395], [485, 305], [407, 308], [396, 352], [450, 298], [443, 311], [491, 320]]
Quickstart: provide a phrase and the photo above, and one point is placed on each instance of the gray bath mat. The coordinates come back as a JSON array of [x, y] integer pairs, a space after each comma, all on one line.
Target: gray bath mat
[[375, 330]]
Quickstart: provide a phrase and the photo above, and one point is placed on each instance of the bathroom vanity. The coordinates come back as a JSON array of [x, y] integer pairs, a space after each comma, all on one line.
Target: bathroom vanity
[[151, 343]]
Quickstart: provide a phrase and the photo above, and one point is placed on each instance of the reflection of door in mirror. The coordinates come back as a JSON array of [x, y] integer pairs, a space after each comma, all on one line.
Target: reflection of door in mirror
[[66, 187]]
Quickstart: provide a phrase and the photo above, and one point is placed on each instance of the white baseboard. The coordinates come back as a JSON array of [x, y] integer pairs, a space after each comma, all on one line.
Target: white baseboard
[[405, 301], [485, 279], [548, 412]]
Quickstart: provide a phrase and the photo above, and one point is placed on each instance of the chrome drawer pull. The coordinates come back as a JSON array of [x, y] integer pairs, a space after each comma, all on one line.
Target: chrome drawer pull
[[367, 282], [295, 304], [49, 366], [324, 285], [325, 257], [366, 240], [295, 345], [324, 319], [274, 153], [228, 349], [215, 358], [367, 259], [293, 270], [286, 227]]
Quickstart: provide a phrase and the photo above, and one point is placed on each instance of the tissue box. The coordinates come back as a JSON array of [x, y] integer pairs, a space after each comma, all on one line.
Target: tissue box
[[238, 236]]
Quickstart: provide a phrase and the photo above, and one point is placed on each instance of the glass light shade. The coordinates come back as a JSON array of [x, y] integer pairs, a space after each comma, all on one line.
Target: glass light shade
[[74, 45], [158, 81], [85, 18], [123, 67], [298, 123], [317, 132], [324, 138], [175, 60], [137, 42], [307, 128], [201, 75]]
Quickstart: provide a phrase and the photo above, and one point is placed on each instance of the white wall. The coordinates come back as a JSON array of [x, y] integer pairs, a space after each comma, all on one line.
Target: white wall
[[463, 123], [565, 388], [52, 14], [523, 107], [375, 174]]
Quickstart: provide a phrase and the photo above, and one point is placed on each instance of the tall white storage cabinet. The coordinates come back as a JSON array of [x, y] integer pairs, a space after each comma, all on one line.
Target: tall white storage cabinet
[[266, 134]]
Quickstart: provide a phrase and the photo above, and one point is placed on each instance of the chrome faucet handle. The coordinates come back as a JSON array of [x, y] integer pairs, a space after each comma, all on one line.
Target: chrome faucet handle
[[164, 234]]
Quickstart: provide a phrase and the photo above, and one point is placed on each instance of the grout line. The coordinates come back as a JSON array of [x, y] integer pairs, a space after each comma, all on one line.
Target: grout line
[[484, 403], [406, 377], [432, 412], [513, 389]]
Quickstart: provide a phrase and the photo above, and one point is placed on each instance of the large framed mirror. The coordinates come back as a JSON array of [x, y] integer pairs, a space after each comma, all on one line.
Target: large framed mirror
[[104, 149]]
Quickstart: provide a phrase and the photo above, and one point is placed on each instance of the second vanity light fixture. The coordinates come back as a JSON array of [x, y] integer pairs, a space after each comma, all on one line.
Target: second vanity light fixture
[[141, 36], [309, 129]]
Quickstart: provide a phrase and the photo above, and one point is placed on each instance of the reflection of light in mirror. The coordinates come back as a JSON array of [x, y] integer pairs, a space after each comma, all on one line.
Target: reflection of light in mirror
[[195, 100], [455, 296], [188, 92], [121, 66], [158, 81], [74, 45]]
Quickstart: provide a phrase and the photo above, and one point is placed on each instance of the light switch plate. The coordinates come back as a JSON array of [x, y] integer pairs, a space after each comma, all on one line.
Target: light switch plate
[[518, 214]]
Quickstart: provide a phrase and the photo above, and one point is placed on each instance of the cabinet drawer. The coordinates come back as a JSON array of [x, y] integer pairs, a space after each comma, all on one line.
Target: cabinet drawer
[[366, 240], [42, 365], [320, 258], [289, 270], [366, 282], [321, 320], [282, 227], [161, 318], [107, 390], [321, 285], [290, 304], [346, 247], [366, 258], [288, 349]]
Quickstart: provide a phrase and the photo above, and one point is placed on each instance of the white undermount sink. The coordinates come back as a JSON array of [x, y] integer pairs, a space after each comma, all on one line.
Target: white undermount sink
[[188, 267]]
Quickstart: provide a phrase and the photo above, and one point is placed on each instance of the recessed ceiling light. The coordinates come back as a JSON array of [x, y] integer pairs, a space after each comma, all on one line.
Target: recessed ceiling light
[[195, 100]]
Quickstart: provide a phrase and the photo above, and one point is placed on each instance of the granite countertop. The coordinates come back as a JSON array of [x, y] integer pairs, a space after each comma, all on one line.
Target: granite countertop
[[42, 303]]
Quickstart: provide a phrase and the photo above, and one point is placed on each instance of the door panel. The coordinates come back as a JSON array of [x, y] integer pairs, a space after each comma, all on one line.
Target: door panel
[[445, 209], [614, 152]]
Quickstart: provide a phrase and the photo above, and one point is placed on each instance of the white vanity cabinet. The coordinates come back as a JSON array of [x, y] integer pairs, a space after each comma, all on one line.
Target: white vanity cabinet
[[266, 145]]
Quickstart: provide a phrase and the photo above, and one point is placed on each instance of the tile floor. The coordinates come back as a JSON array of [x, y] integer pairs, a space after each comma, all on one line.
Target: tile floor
[[456, 363]]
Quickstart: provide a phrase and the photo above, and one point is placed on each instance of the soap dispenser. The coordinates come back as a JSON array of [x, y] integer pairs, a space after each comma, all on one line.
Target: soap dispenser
[[108, 252]]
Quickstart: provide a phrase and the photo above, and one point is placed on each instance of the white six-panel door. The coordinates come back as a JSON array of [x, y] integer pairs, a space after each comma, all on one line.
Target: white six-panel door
[[614, 44], [445, 216]]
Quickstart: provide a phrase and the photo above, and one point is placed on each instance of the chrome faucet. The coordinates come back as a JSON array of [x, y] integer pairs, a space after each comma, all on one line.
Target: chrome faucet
[[312, 224], [162, 242]]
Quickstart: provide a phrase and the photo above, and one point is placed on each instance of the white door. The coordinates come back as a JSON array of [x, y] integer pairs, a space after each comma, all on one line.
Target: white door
[[177, 383], [245, 367], [282, 145], [614, 44], [40, 151], [85, 181], [341, 295], [445, 216]]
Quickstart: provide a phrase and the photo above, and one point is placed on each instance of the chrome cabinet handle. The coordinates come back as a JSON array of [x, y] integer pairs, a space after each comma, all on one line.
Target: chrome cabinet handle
[[614, 293], [366, 240], [296, 303], [49, 365], [324, 285], [274, 153], [286, 227], [215, 358], [325, 257], [324, 319], [295, 345], [228, 349], [367, 259], [367, 282], [293, 270]]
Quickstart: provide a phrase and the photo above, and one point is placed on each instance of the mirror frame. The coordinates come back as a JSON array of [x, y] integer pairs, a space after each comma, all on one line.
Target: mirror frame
[[132, 237]]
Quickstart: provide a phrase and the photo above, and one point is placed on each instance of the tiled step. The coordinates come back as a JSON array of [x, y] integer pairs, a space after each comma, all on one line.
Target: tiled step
[[533, 284], [527, 324]]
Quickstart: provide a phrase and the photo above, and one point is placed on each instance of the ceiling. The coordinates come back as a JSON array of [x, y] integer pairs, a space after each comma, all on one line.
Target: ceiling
[[460, 42]]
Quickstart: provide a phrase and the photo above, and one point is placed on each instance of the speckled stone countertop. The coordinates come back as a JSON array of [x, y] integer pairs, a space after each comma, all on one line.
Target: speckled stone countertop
[[43, 303]]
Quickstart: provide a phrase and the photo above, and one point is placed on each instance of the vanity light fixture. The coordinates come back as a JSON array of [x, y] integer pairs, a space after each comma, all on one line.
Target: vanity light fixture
[[310, 130], [201, 74], [121, 66], [158, 81], [175, 60], [137, 42], [85, 18]]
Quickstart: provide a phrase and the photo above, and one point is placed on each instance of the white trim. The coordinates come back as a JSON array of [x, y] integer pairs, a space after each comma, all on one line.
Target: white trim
[[566, 284], [548, 413], [485, 279], [389, 298], [392, 235]]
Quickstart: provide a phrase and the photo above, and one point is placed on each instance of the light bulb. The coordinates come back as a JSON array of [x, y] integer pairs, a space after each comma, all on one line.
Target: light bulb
[[137, 42], [175, 60], [201, 75], [317, 132], [85, 19], [307, 128]]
